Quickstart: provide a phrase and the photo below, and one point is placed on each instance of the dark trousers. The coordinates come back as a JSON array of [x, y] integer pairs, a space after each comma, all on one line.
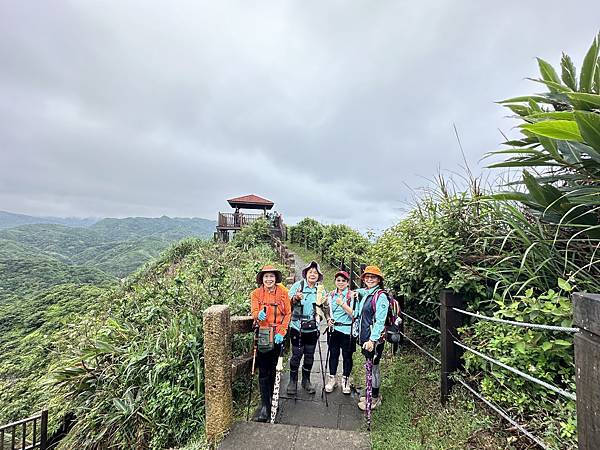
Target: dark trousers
[[339, 341], [303, 344], [267, 362]]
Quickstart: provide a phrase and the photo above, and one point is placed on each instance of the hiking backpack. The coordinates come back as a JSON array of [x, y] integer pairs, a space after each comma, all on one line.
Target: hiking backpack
[[391, 328]]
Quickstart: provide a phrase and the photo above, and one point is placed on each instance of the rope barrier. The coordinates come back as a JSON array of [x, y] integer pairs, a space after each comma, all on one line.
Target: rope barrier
[[419, 322], [502, 413], [420, 348], [519, 324], [560, 391]]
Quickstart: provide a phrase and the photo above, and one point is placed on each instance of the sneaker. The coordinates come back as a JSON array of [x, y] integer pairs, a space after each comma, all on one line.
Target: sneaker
[[330, 383], [346, 385], [376, 401]]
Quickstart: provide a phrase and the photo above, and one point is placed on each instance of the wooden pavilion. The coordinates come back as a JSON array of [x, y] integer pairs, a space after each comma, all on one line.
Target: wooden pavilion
[[230, 223]]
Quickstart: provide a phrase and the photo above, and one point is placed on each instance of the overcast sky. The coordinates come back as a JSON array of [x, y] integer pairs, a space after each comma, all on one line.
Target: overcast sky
[[332, 109]]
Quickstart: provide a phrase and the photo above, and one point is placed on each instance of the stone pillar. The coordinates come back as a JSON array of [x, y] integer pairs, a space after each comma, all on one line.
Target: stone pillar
[[586, 316], [217, 371]]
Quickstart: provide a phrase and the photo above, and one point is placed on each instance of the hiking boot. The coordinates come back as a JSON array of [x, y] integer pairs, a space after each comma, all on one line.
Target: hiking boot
[[265, 396], [375, 402], [346, 385], [292, 388], [330, 383], [306, 384]]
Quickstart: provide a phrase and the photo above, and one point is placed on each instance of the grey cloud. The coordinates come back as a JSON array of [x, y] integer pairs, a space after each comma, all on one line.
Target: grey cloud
[[328, 108]]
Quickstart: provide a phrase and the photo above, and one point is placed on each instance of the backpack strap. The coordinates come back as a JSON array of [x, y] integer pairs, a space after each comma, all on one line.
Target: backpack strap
[[374, 299]]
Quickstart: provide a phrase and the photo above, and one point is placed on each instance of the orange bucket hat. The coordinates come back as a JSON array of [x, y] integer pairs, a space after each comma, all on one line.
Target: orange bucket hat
[[372, 270], [269, 269]]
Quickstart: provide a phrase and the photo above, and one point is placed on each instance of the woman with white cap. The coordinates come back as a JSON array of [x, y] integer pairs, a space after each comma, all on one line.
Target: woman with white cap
[[304, 327]]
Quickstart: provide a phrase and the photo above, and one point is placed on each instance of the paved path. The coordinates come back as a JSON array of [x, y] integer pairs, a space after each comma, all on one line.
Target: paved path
[[305, 421]]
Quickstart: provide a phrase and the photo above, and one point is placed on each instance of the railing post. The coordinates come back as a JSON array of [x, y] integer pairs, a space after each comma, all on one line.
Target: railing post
[[217, 371], [586, 316], [402, 305], [362, 269], [450, 321], [44, 430]]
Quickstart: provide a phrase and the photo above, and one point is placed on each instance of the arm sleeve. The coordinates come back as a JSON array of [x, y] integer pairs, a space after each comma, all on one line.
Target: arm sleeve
[[381, 309], [293, 289], [287, 307], [254, 305]]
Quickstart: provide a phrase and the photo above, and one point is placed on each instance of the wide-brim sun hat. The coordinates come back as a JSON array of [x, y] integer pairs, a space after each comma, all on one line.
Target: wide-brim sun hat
[[372, 270], [315, 265], [343, 274], [269, 269]]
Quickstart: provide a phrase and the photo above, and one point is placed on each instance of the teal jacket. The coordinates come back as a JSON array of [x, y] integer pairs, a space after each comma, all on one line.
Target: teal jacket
[[305, 308], [343, 320], [371, 325]]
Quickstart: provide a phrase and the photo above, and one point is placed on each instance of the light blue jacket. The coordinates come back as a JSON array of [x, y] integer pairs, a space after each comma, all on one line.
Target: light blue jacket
[[305, 308], [342, 319], [371, 327]]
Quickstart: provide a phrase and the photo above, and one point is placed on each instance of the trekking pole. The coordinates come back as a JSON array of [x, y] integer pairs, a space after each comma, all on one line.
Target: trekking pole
[[369, 391], [255, 326], [321, 361], [275, 399], [326, 363]]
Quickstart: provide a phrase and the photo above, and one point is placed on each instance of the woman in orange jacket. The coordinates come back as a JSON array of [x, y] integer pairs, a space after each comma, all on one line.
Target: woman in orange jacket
[[271, 311]]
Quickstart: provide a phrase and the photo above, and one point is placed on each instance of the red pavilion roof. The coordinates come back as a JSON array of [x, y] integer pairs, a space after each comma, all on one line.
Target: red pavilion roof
[[250, 201]]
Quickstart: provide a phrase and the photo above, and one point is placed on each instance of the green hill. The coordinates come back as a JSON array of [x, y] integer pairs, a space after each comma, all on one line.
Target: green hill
[[172, 229], [37, 256], [92, 350], [24, 270]]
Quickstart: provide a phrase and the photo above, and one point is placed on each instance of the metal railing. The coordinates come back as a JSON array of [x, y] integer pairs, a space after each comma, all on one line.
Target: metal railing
[[25, 434], [587, 343]]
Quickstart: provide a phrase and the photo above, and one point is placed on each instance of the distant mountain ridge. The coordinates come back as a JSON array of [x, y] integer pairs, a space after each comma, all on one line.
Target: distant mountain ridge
[[10, 220], [41, 255]]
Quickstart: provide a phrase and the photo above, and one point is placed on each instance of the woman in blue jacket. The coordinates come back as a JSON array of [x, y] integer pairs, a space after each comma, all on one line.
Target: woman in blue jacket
[[304, 328], [371, 313], [341, 306]]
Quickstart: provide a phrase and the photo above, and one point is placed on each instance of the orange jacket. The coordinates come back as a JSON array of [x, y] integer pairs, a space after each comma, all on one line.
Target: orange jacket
[[261, 297]]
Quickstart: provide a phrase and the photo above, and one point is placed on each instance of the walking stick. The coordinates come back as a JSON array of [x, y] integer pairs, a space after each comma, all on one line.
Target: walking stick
[[369, 393], [326, 363], [321, 361], [255, 326], [275, 399]]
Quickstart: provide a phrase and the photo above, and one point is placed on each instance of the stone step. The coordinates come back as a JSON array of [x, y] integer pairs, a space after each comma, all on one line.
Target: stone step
[[265, 436]]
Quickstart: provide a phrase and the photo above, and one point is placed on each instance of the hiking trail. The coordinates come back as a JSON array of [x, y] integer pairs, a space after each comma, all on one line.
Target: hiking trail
[[305, 422]]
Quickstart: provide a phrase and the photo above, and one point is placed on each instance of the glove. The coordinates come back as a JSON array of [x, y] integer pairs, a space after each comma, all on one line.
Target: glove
[[262, 315], [278, 339]]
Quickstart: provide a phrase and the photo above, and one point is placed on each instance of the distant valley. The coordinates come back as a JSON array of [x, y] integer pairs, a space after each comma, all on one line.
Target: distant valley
[[39, 253]]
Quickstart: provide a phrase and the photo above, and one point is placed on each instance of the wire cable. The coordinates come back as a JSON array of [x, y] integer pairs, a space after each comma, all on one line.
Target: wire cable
[[502, 413], [560, 391], [420, 348], [418, 321], [519, 324]]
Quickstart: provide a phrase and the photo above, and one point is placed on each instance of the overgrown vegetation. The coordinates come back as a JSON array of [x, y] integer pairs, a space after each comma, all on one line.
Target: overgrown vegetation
[[135, 378], [333, 242], [514, 251]]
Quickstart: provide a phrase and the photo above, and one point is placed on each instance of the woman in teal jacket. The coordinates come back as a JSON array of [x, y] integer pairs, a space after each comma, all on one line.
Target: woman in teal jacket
[[304, 328], [341, 307], [371, 313]]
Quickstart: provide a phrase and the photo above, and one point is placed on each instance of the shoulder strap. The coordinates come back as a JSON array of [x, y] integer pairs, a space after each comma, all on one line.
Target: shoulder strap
[[375, 297]]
